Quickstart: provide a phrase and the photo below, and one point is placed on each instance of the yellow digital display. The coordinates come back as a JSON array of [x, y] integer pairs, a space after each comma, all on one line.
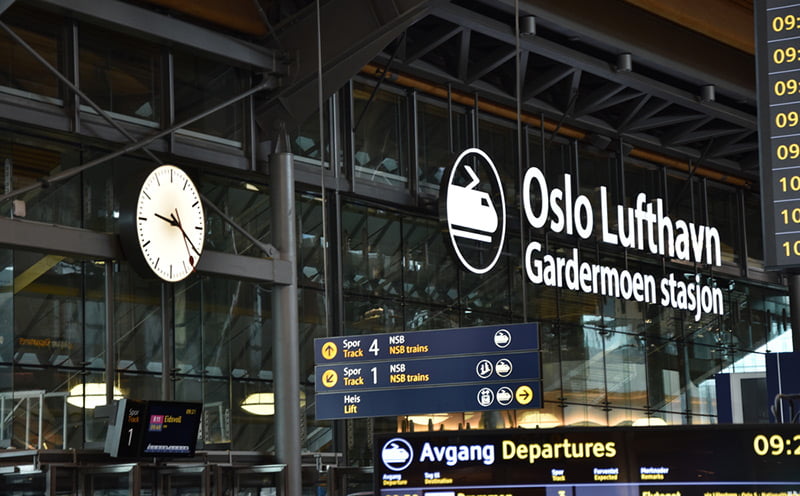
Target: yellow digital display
[[778, 78]]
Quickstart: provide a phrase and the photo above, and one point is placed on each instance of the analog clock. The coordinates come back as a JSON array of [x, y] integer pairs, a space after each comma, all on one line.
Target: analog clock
[[165, 228]]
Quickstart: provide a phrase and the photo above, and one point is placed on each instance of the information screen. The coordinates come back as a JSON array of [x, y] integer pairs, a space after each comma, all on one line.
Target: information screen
[[730, 460], [778, 77], [153, 428]]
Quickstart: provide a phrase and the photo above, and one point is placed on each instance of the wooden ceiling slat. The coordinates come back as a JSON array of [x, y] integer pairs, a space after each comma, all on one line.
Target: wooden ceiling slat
[[727, 21]]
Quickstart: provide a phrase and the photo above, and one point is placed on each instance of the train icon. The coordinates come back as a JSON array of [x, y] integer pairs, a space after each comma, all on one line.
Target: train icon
[[473, 208], [470, 211]]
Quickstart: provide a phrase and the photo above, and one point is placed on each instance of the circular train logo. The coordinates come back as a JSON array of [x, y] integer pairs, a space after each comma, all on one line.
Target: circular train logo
[[397, 454], [474, 209]]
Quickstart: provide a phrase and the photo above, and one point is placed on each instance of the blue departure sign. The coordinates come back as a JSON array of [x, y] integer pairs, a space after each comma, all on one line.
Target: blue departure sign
[[426, 344], [446, 370], [449, 398]]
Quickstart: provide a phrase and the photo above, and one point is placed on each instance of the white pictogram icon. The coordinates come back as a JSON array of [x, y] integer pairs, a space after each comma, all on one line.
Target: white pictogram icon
[[484, 369], [471, 210], [485, 397], [502, 338], [505, 395], [474, 210], [503, 367], [397, 454]]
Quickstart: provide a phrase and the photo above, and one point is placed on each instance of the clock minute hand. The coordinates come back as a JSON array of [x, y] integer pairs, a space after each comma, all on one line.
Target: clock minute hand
[[185, 236]]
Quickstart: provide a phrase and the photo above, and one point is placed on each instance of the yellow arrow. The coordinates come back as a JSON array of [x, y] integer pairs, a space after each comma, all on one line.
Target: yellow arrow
[[524, 395]]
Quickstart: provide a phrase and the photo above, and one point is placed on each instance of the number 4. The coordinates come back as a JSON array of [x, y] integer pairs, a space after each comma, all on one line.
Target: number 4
[[374, 347]]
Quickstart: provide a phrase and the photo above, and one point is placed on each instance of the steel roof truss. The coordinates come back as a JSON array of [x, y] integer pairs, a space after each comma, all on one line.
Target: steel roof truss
[[665, 121], [597, 99], [545, 81], [678, 134], [490, 62], [429, 41]]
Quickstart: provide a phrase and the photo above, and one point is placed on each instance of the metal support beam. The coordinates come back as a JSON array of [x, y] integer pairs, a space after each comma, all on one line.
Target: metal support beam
[[38, 236], [286, 341], [5, 4]]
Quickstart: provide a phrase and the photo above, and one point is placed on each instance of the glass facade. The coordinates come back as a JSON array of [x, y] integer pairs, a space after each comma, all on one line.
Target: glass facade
[[365, 264]]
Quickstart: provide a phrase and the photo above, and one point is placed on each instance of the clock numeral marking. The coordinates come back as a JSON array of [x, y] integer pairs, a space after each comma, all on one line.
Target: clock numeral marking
[[170, 175], [157, 181], [156, 264], [145, 194], [185, 183], [146, 243], [170, 271], [199, 228], [142, 218], [195, 203], [184, 267]]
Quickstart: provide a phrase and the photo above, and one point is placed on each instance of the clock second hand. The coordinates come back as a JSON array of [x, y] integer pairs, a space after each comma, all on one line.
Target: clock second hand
[[177, 218]]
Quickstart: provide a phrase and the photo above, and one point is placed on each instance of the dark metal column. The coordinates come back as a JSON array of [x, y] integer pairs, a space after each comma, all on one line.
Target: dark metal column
[[111, 359], [794, 309], [286, 341], [167, 333]]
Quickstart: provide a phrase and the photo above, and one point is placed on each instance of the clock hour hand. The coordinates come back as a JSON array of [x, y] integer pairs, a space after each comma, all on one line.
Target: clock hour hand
[[171, 222]]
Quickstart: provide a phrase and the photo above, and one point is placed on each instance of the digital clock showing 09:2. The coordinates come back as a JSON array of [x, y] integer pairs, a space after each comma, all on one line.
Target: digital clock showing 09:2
[[776, 445]]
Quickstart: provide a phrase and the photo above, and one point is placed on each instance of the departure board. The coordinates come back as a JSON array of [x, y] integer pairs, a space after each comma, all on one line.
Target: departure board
[[778, 78], [710, 460]]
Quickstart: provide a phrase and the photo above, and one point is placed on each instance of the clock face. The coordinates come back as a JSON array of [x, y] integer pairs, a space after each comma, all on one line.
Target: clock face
[[170, 223]]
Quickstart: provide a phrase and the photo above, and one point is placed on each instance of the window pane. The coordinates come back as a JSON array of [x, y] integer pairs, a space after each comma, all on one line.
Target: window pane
[[26, 161], [372, 252], [20, 73], [500, 143], [247, 204], [306, 138], [429, 271], [434, 148], [201, 84], [310, 255], [583, 378], [381, 138], [723, 214], [120, 74], [48, 325], [137, 326]]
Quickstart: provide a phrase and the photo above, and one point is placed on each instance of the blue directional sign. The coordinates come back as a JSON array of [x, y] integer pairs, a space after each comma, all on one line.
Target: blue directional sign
[[427, 371], [426, 344], [434, 399], [446, 370]]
